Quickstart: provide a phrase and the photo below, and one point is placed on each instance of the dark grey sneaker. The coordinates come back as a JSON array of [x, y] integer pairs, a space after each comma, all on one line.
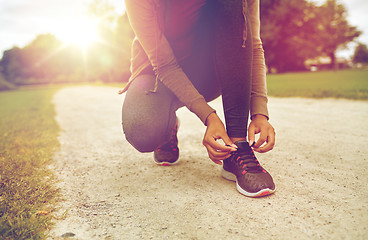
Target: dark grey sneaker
[[251, 179], [168, 154]]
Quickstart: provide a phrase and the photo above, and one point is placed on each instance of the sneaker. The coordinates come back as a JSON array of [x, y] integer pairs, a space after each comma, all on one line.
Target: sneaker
[[243, 168], [168, 153]]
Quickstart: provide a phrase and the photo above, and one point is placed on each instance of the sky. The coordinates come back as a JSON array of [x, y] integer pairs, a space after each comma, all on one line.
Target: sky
[[22, 20]]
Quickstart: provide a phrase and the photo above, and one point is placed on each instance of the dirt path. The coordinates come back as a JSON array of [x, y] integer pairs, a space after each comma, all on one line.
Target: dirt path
[[113, 192]]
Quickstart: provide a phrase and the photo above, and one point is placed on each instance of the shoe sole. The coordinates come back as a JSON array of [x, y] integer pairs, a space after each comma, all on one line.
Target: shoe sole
[[166, 163], [230, 176]]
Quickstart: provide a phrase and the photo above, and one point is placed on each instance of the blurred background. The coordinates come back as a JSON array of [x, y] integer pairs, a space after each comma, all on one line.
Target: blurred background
[[66, 41]]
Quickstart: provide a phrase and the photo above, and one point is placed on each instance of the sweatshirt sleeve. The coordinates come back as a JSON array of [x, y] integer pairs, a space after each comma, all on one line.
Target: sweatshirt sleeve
[[259, 87], [144, 21]]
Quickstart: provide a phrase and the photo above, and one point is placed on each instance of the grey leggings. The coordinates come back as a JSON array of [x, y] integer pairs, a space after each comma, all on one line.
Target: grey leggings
[[148, 118]]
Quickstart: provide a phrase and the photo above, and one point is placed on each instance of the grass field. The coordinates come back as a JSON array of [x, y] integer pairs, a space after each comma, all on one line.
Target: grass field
[[351, 84], [28, 138]]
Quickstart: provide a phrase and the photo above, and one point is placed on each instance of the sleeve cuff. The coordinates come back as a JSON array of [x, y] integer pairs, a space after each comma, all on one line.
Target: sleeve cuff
[[200, 108], [259, 106]]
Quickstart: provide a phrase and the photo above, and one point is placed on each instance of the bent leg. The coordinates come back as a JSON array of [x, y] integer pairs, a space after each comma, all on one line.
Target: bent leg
[[147, 118]]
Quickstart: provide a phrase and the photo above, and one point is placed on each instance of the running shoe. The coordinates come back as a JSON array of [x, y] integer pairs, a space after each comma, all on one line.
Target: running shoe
[[168, 153], [242, 167]]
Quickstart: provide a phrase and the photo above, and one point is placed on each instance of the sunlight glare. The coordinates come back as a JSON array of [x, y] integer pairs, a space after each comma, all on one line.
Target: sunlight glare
[[81, 32]]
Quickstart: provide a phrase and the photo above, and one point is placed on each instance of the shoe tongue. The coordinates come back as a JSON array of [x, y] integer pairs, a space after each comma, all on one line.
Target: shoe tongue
[[242, 146]]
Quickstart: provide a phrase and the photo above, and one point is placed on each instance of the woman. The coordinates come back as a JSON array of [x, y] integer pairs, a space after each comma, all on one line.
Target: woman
[[187, 53]]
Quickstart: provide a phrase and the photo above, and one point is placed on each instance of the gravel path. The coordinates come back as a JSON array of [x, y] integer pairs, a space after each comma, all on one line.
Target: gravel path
[[319, 165]]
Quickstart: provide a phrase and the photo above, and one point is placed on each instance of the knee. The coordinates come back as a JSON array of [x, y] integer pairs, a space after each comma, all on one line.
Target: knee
[[144, 137]]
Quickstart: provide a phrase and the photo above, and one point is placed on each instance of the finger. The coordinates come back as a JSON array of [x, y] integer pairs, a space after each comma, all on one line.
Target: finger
[[216, 158], [217, 154], [267, 147], [216, 161], [262, 138], [251, 134], [219, 147], [228, 141], [270, 143], [214, 153]]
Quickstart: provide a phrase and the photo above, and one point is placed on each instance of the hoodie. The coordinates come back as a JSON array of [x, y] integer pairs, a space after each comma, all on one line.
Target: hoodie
[[151, 48]]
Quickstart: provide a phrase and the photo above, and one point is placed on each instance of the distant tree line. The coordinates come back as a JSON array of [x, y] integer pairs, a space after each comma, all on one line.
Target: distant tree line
[[48, 60], [292, 31]]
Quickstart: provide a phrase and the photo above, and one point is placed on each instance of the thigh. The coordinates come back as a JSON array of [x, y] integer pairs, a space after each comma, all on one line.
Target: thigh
[[148, 117]]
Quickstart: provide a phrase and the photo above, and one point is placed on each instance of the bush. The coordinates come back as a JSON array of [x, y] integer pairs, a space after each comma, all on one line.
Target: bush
[[4, 85]]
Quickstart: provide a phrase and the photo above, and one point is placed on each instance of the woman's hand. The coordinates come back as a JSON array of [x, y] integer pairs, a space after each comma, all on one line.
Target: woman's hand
[[260, 124], [216, 130]]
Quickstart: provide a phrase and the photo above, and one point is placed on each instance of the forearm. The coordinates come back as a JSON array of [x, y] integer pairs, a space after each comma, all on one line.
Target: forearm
[[259, 97], [185, 91]]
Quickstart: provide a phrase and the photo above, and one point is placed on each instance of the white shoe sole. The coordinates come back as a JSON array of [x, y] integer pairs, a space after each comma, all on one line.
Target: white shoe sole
[[166, 163], [230, 176]]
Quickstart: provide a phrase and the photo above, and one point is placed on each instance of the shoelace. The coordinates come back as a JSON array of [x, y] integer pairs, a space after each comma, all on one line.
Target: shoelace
[[248, 162], [170, 146]]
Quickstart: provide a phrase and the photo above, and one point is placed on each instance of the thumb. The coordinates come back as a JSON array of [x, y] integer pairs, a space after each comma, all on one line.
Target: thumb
[[251, 134]]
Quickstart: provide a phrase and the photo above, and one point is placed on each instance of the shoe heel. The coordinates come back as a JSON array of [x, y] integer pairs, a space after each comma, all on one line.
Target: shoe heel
[[228, 175]]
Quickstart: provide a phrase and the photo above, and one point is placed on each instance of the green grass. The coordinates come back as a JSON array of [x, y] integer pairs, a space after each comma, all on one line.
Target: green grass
[[351, 84], [28, 139]]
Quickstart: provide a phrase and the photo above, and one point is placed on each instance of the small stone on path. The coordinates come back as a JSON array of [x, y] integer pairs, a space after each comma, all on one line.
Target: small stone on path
[[68, 235]]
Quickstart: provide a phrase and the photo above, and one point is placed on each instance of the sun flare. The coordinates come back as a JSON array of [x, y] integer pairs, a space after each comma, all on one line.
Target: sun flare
[[80, 31]]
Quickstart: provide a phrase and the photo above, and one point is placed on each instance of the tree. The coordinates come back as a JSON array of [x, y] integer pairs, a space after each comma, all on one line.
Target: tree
[[44, 60], [361, 54], [297, 30], [124, 37], [112, 56], [39, 59], [11, 65], [288, 32], [4, 85], [38, 62], [334, 31]]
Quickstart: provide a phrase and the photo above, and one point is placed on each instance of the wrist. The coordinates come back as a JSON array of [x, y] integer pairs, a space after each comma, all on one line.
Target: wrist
[[258, 117], [212, 117]]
